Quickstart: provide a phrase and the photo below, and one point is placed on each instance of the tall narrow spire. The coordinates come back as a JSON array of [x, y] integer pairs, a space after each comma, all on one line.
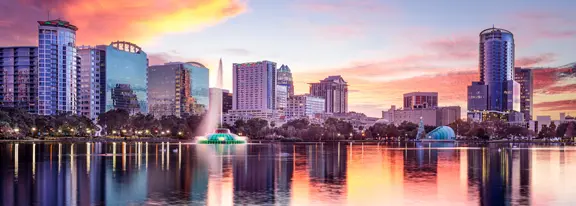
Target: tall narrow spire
[[219, 86]]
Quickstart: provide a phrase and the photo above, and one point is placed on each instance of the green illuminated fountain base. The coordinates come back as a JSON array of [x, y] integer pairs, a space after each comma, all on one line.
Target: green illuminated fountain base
[[221, 136], [222, 142]]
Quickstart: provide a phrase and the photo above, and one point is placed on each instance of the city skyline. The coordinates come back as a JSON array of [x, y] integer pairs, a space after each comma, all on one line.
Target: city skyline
[[439, 52]]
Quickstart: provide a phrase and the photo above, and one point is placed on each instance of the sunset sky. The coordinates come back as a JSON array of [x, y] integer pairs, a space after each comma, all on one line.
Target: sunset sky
[[382, 48]]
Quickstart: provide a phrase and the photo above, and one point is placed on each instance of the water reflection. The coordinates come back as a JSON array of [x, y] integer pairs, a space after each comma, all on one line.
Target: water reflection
[[285, 174]]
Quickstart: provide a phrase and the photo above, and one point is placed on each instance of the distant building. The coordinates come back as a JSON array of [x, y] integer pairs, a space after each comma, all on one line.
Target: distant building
[[421, 100], [438, 116], [281, 99], [359, 121], [171, 89], [226, 100], [334, 90], [525, 78], [123, 97], [285, 78], [92, 81], [300, 106], [126, 64], [254, 90], [58, 63], [19, 78]]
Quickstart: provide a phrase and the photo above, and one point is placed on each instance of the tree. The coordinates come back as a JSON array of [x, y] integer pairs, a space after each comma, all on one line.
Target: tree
[[256, 127], [114, 120]]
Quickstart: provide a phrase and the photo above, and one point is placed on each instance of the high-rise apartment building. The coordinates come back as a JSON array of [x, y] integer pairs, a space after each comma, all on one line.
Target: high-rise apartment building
[[126, 64], [92, 81], [525, 78], [334, 90], [254, 86], [285, 79], [304, 106], [57, 67], [421, 100], [19, 78], [171, 89], [496, 69]]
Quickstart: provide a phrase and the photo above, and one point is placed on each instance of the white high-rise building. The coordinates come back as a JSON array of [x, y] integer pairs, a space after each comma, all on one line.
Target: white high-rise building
[[91, 80], [254, 86], [300, 106], [254, 89]]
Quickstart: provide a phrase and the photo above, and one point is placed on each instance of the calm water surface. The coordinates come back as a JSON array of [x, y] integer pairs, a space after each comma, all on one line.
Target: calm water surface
[[286, 174]]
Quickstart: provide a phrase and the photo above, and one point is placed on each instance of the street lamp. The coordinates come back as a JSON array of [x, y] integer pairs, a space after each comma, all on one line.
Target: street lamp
[[16, 130], [179, 133], [33, 129]]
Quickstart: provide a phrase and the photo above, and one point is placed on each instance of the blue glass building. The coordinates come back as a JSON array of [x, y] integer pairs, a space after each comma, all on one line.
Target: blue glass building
[[126, 64], [58, 64], [497, 67], [200, 83]]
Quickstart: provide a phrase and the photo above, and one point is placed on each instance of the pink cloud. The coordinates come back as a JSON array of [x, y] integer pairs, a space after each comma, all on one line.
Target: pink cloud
[[535, 60]]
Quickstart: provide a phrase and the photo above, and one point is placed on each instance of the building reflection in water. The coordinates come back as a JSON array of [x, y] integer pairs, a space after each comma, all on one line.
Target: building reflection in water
[[284, 174]]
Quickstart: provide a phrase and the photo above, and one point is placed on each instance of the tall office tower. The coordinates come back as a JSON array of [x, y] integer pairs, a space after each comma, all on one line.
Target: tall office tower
[[497, 68], [254, 86], [285, 79], [126, 64], [19, 78], [172, 86], [415, 100], [334, 90], [525, 78], [57, 67], [92, 81], [123, 97]]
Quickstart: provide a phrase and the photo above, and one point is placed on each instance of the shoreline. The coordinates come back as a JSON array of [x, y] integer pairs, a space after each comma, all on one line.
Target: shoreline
[[172, 140]]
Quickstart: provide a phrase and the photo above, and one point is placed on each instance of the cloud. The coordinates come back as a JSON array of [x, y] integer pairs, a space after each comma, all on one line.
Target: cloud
[[561, 105], [571, 88], [237, 51], [535, 60], [104, 21], [344, 6], [461, 47]]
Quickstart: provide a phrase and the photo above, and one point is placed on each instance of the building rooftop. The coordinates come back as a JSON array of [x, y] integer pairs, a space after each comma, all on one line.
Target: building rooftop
[[494, 30], [58, 23]]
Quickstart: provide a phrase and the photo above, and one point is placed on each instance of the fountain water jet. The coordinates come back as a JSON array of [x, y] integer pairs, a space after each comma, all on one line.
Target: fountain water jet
[[208, 127]]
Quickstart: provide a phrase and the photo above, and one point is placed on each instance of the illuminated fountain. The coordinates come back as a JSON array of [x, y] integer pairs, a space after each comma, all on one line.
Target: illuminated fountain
[[214, 135]]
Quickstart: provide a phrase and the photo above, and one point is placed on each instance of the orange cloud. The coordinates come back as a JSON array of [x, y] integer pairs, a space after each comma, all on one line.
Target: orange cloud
[[104, 21], [108, 20]]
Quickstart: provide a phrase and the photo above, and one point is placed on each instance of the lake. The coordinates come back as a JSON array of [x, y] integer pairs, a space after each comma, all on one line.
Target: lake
[[286, 174]]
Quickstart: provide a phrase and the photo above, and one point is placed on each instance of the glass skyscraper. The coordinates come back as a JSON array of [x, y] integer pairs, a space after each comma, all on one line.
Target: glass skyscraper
[[497, 67], [19, 78], [178, 89], [126, 66], [57, 67], [285, 78]]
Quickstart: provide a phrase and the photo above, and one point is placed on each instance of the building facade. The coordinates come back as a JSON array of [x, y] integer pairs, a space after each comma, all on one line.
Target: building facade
[[57, 67], [226, 100], [126, 64], [19, 78], [421, 100], [525, 78], [334, 90], [285, 79], [477, 97], [124, 97], [308, 106], [254, 86], [438, 116], [171, 89], [281, 99], [92, 81]]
